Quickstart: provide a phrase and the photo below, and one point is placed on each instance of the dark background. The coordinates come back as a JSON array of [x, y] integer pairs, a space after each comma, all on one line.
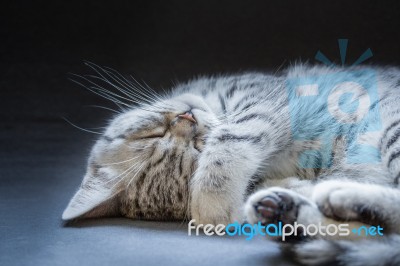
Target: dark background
[[42, 158], [165, 41]]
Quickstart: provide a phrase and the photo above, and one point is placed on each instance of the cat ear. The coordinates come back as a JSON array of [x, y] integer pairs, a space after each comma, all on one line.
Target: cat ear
[[95, 198]]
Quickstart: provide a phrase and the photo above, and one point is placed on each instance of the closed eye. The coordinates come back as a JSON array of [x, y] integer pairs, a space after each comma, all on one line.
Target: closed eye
[[152, 136]]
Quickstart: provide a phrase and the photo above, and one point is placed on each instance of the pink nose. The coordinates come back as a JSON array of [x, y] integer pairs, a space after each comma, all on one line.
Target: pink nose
[[188, 116]]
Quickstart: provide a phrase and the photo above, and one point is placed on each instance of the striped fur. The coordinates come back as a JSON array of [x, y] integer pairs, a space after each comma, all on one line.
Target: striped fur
[[149, 164]]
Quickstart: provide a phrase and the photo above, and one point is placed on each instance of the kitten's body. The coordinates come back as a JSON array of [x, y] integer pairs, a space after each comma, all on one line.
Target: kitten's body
[[154, 162]]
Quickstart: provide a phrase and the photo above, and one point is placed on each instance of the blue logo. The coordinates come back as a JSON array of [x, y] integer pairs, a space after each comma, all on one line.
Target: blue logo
[[339, 105], [343, 52]]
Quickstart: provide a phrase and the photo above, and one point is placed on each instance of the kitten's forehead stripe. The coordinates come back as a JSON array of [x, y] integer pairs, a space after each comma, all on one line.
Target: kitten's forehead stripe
[[160, 193], [180, 164], [152, 150], [160, 160]]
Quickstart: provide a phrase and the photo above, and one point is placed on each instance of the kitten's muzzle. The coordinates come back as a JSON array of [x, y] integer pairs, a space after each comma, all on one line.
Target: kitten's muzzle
[[189, 116]]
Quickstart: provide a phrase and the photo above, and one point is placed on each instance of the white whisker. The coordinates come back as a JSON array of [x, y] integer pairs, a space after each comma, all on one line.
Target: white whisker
[[83, 129], [105, 108]]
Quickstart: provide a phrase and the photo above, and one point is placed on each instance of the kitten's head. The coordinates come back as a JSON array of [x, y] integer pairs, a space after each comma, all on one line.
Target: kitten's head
[[141, 166]]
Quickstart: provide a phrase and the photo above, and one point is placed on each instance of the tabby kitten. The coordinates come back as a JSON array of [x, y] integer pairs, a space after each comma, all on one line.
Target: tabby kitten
[[225, 149]]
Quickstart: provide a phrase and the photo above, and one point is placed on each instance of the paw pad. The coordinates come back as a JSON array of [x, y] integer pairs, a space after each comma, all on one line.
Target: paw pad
[[277, 206]]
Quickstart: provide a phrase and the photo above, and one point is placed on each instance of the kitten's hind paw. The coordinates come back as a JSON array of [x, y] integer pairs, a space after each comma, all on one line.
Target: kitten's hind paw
[[351, 201]]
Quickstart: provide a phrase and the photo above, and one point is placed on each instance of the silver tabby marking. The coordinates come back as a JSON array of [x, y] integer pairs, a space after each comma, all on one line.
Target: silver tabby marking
[[220, 149]]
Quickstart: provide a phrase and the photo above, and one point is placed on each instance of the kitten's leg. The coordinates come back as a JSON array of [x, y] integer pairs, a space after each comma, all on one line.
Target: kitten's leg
[[373, 204], [289, 205], [368, 203], [232, 155]]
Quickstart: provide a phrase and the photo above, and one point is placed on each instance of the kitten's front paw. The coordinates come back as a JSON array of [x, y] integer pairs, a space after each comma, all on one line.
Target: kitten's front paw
[[276, 204], [214, 208], [273, 205], [343, 200]]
